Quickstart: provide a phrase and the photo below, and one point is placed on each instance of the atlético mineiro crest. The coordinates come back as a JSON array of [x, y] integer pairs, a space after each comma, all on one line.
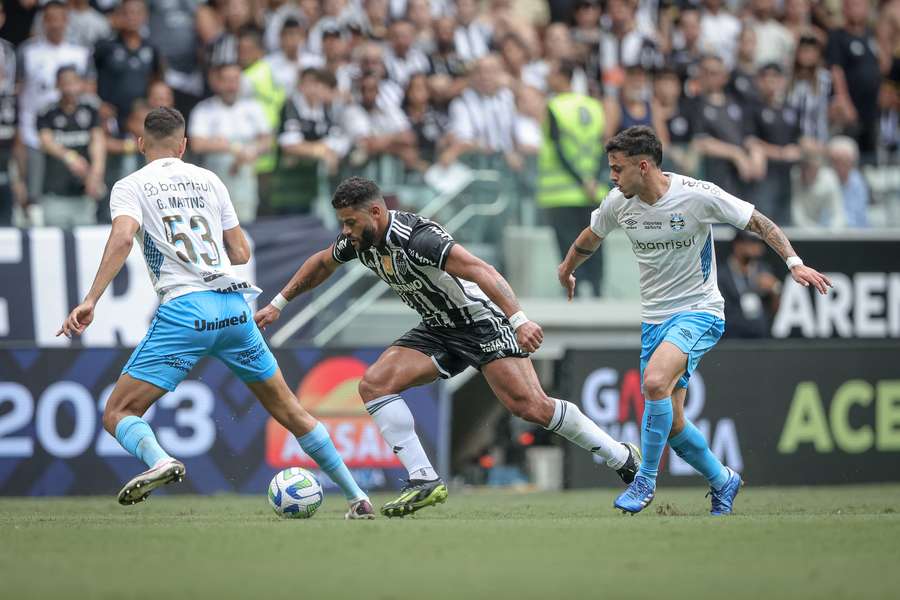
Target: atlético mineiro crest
[[401, 262], [676, 221]]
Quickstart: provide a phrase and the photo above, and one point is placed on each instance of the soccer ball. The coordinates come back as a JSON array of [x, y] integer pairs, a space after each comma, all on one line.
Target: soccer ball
[[295, 493]]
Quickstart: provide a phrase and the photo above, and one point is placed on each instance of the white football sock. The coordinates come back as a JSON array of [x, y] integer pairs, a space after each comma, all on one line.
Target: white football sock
[[397, 427], [573, 425]]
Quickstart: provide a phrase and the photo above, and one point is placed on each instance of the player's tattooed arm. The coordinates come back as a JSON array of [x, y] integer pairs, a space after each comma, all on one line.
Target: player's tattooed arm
[[311, 273], [771, 233]]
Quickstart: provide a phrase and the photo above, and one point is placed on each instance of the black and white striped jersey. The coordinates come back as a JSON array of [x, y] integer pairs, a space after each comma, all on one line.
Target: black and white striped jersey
[[411, 259]]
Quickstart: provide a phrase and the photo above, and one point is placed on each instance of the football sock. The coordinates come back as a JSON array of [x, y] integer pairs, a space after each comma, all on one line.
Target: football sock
[[655, 427], [692, 447], [569, 422], [318, 445], [398, 429], [135, 435]]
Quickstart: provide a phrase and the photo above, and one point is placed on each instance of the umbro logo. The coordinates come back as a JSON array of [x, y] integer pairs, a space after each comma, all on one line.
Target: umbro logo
[[686, 333], [631, 223]]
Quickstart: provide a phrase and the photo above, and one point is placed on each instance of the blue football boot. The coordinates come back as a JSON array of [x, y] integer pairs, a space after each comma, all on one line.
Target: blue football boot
[[723, 500], [636, 496]]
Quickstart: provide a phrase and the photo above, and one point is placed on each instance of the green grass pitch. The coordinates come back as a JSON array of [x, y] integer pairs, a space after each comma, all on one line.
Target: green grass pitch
[[837, 542]]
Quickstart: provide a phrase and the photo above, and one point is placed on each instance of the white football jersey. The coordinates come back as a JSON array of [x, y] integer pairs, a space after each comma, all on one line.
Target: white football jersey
[[182, 210], [673, 243]]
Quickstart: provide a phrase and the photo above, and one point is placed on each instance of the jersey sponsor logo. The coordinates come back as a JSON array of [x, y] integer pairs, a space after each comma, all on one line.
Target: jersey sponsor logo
[[407, 288], [234, 287], [676, 221], [217, 323], [666, 245], [422, 259], [72, 139], [177, 186], [652, 224], [493, 346], [176, 362]]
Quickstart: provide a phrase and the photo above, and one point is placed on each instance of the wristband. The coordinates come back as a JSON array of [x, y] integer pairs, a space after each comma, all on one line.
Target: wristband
[[279, 302], [793, 261], [517, 320]]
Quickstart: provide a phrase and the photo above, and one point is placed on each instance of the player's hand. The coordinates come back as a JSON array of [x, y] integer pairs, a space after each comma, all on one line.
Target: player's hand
[[806, 277], [530, 336], [567, 280], [266, 316], [78, 320]]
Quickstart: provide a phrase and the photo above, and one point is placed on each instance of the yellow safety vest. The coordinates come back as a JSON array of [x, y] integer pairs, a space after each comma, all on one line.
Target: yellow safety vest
[[271, 97], [581, 122]]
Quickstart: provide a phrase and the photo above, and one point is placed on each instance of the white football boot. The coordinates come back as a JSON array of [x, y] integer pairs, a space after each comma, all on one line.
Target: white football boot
[[167, 470]]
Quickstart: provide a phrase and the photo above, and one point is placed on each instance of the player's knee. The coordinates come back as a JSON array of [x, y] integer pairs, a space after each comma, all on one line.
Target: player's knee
[[374, 385], [656, 385]]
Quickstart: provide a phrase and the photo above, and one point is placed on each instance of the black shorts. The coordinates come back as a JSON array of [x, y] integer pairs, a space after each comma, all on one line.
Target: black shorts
[[454, 348]]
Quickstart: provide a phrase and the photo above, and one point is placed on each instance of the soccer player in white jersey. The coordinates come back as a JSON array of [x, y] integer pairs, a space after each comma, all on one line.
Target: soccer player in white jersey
[[184, 220], [669, 219]]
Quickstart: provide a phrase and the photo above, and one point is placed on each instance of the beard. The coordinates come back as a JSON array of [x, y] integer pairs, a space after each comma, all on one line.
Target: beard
[[367, 239]]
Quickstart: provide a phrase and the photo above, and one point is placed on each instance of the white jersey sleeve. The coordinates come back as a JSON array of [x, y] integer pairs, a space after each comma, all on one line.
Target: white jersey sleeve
[[229, 217], [604, 218], [714, 205], [123, 200]]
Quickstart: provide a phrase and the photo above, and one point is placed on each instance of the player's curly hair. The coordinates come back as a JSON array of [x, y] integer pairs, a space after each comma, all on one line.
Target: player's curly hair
[[354, 192], [637, 141]]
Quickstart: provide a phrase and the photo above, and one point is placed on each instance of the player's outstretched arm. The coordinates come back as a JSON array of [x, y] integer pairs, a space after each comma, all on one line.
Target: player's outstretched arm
[[118, 246], [581, 249], [316, 269], [763, 226], [463, 264]]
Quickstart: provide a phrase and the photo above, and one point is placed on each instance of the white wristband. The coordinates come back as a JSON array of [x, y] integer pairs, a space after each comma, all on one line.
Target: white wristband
[[517, 320], [793, 261], [279, 302]]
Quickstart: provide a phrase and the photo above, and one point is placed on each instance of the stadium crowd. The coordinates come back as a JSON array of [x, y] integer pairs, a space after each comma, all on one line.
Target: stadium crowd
[[780, 102]]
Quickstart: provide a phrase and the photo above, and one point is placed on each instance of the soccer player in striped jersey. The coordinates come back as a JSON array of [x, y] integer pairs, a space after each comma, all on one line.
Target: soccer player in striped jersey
[[669, 218], [470, 317]]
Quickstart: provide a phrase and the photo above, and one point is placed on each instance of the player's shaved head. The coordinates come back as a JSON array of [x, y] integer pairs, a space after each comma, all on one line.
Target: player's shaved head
[[163, 123], [356, 193], [163, 134]]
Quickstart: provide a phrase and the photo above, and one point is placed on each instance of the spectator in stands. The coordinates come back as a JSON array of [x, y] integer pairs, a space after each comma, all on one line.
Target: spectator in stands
[[687, 52], [258, 82], [419, 13], [570, 167], [722, 131], [817, 200], [174, 32], [586, 34], [160, 94], [375, 19], [336, 14], [310, 129], [40, 59], [483, 118], [742, 83], [126, 63], [517, 64], [73, 144], [230, 133], [335, 48], [232, 17], [635, 105], [798, 20], [558, 46], [774, 43], [7, 59], [720, 30], [85, 27], [750, 290], [288, 59], [446, 68], [401, 58], [370, 59], [12, 189], [472, 37], [844, 156], [624, 44], [429, 124], [851, 54], [811, 90], [776, 133], [375, 129], [889, 102], [671, 109]]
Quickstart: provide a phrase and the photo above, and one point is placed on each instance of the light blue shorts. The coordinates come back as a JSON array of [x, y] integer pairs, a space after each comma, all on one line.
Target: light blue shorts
[[196, 325], [695, 333]]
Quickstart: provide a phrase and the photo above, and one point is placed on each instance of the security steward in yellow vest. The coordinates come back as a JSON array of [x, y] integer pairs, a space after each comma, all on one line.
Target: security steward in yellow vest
[[570, 163]]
